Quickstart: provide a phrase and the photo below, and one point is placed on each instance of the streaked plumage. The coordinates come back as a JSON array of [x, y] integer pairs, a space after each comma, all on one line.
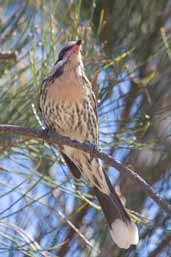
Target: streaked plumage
[[68, 106]]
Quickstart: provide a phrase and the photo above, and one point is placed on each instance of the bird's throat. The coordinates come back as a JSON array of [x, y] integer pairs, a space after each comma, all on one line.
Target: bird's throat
[[67, 87]]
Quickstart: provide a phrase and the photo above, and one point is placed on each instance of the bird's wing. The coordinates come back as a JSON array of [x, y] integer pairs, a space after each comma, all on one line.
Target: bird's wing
[[93, 100], [92, 95], [72, 167]]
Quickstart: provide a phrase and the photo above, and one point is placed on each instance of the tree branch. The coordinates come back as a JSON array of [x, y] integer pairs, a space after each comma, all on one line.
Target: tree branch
[[51, 138], [8, 56]]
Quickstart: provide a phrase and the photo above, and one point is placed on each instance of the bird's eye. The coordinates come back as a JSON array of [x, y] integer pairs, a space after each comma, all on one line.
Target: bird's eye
[[63, 52], [61, 55]]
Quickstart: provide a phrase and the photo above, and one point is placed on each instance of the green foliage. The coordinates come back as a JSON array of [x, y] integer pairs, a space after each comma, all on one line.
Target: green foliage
[[126, 49]]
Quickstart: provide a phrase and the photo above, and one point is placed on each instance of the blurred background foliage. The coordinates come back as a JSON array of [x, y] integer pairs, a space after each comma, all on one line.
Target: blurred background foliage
[[127, 56]]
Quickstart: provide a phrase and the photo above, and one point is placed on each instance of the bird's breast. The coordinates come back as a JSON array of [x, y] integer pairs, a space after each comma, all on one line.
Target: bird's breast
[[67, 108], [75, 119], [68, 87]]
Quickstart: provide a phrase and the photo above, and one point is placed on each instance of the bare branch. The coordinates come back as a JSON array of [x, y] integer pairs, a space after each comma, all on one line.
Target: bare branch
[[8, 56], [54, 138]]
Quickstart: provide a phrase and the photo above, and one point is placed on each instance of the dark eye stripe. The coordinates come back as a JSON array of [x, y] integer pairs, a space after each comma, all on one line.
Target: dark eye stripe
[[63, 52]]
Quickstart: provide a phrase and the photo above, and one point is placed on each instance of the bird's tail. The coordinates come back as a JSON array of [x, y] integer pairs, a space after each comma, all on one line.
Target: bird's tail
[[123, 231]]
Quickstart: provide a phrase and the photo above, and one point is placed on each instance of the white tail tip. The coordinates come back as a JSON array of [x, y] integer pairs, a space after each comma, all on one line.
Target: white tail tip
[[124, 234]]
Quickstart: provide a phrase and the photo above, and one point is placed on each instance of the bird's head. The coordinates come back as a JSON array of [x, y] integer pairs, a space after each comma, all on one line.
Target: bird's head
[[71, 54]]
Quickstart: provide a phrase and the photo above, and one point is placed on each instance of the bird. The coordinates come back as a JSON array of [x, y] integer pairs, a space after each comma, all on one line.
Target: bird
[[69, 107]]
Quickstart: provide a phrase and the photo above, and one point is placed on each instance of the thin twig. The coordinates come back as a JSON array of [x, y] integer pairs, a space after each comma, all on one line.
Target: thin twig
[[75, 229], [52, 138], [163, 244], [77, 220]]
